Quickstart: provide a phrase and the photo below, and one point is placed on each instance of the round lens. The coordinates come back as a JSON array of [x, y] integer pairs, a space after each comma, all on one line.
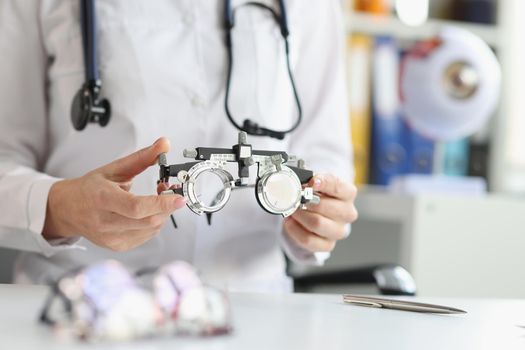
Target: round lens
[[104, 283], [111, 305], [173, 280], [209, 188], [204, 311], [281, 191]]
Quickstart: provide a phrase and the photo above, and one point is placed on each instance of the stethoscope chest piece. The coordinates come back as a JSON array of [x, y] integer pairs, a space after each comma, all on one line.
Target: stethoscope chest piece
[[79, 114], [88, 108]]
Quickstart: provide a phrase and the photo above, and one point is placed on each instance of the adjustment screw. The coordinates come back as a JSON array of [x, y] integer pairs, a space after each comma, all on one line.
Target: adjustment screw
[[249, 161], [182, 176], [243, 138], [189, 153], [162, 159]]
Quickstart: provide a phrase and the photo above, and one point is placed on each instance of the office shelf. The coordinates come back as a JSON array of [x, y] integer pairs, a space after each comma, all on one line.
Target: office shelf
[[389, 25]]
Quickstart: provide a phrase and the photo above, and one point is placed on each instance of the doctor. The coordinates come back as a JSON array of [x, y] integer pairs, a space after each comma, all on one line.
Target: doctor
[[70, 198]]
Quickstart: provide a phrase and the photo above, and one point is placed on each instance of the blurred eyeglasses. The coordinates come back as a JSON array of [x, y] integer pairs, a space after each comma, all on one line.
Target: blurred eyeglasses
[[106, 302]]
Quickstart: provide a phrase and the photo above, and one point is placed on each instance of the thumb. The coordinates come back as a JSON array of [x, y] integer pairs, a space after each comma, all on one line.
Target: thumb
[[124, 169]]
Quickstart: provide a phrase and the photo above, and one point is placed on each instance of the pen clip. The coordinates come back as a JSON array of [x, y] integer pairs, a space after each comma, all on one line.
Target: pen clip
[[363, 303]]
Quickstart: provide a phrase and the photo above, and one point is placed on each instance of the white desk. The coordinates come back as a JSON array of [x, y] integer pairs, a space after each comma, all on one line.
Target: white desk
[[299, 321]]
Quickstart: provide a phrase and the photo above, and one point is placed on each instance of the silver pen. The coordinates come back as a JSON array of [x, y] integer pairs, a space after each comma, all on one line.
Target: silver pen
[[399, 305]]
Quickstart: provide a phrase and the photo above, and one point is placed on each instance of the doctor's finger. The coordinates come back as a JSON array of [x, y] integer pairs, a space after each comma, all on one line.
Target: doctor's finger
[[124, 169], [336, 209], [320, 225], [162, 186], [333, 186], [307, 239], [138, 207]]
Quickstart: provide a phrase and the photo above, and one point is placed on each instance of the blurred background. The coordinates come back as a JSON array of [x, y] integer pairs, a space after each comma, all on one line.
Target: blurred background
[[436, 89], [447, 206]]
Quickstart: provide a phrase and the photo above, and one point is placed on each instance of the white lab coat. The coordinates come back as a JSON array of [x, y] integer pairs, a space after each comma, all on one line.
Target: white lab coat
[[163, 66]]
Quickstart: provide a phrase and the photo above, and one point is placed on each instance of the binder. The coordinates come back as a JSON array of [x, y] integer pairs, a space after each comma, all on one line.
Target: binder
[[359, 55], [420, 151], [389, 154], [376, 7], [479, 151], [456, 157], [479, 158], [476, 11]]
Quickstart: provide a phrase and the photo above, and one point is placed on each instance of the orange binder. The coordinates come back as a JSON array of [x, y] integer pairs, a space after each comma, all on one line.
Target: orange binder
[[359, 79], [378, 7]]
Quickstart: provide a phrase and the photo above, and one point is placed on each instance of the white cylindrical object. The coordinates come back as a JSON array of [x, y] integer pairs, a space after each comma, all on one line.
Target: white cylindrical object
[[412, 12], [430, 107]]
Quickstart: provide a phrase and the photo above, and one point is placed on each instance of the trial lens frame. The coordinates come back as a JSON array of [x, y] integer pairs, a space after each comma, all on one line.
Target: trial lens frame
[[270, 165]]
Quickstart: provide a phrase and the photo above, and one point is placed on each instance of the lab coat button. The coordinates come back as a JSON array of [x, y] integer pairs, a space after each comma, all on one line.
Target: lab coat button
[[196, 101], [188, 20]]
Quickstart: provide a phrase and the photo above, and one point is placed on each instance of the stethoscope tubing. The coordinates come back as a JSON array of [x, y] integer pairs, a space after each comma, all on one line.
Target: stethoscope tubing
[[92, 73]]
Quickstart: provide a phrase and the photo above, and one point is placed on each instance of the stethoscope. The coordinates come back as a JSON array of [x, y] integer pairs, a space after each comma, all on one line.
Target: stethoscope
[[90, 107]]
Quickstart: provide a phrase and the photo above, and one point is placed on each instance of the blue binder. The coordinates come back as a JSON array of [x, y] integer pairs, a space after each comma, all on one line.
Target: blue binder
[[420, 151], [388, 153], [456, 157]]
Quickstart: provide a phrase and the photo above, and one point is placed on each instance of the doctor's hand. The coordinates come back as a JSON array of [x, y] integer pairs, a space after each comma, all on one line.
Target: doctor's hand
[[319, 227], [99, 206]]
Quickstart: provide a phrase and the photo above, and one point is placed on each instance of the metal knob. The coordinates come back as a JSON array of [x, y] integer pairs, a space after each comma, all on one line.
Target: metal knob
[[243, 138], [249, 161], [277, 160], [190, 153], [182, 176], [162, 159]]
